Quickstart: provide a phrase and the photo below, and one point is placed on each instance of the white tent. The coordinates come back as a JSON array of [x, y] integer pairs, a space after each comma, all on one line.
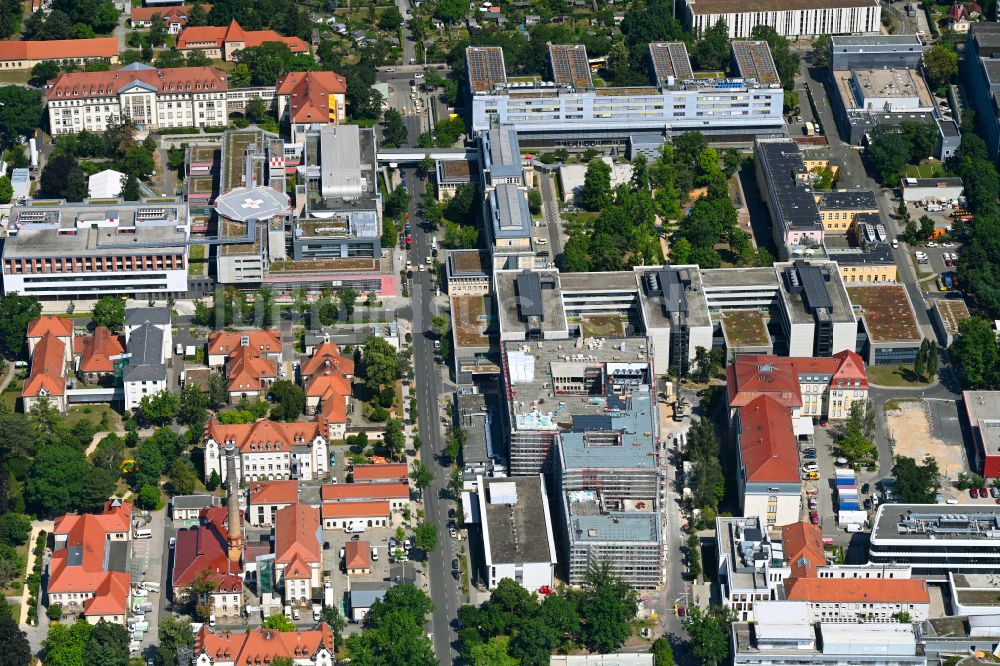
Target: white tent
[[106, 184]]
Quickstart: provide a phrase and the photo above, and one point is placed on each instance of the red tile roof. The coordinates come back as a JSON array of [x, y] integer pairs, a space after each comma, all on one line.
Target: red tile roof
[[751, 376], [88, 535], [309, 95], [845, 365], [274, 492], [98, 47], [857, 590], [340, 492], [767, 442], [97, 350], [246, 370], [391, 471], [376, 508], [267, 341], [327, 355], [177, 14], [804, 552], [265, 435], [357, 555], [196, 36], [81, 85], [295, 534], [61, 327], [261, 646], [48, 367], [203, 548]]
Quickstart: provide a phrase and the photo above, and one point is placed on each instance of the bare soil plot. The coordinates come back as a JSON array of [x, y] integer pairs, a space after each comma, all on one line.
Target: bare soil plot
[[911, 429]]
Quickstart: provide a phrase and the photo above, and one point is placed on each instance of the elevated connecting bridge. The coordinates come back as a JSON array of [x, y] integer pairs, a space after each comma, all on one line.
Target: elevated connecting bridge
[[414, 155]]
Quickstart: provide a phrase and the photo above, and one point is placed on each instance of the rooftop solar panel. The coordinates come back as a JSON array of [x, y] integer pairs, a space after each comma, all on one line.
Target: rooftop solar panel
[[570, 65], [670, 60]]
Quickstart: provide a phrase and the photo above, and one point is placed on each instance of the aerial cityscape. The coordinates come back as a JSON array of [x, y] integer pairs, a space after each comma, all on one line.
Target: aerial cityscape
[[499, 333]]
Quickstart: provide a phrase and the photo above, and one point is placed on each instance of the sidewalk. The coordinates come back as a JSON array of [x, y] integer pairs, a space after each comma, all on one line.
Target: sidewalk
[[36, 527]]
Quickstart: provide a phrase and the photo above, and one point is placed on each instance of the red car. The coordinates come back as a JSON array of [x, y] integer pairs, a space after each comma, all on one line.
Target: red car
[[984, 492], [409, 239], [973, 492], [814, 517]]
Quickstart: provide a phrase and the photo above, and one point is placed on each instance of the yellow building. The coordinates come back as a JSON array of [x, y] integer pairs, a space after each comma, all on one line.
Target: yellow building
[[838, 208]]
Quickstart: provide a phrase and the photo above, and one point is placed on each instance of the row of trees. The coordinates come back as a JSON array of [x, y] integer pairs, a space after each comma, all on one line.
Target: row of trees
[[975, 354], [979, 270], [515, 627], [707, 482], [69, 19]]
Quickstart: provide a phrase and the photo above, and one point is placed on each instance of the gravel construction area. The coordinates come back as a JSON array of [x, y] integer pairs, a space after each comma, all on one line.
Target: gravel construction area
[[910, 428]]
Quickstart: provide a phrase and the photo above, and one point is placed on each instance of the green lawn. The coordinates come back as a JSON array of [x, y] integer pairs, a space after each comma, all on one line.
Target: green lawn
[[18, 583], [196, 260], [15, 76], [893, 375], [12, 393], [94, 414], [925, 170]]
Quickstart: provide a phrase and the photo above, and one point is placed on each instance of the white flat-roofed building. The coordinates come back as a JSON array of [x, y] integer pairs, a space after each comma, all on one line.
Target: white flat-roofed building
[[65, 250], [937, 539], [518, 542], [740, 105], [785, 636], [794, 19]]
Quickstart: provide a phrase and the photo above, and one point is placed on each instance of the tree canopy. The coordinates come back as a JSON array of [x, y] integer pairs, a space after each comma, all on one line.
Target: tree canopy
[[916, 483]]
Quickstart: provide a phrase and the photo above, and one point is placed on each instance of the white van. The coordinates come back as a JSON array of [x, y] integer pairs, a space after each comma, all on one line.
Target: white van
[[375, 554], [355, 528], [143, 534]]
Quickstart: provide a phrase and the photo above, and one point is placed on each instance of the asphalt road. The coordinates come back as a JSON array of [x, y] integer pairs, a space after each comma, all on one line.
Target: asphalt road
[[444, 591], [550, 213]]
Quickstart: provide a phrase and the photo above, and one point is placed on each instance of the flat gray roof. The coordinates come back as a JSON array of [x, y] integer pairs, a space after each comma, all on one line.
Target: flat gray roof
[[828, 287], [588, 524], [501, 152], [937, 522], [782, 162], [637, 447], [518, 532], [876, 40], [509, 212], [30, 243], [848, 200], [532, 364], [509, 307]]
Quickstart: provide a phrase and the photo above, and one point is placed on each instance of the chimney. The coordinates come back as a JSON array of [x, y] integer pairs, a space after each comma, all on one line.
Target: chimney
[[235, 534]]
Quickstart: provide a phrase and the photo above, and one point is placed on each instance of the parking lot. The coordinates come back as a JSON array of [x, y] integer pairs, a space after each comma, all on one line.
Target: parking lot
[[825, 487], [146, 564]]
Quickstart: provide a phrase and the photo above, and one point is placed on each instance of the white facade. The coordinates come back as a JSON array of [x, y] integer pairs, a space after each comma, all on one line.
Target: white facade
[[732, 104], [134, 391], [304, 461], [781, 507], [262, 515], [148, 108], [791, 23]]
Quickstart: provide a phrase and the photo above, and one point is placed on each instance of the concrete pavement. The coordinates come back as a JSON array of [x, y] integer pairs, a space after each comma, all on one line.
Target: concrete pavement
[[444, 591]]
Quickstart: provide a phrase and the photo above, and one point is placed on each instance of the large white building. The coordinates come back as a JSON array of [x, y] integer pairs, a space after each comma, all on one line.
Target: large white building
[[518, 542], [570, 108], [153, 98], [794, 19], [268, 450], [56, 249]]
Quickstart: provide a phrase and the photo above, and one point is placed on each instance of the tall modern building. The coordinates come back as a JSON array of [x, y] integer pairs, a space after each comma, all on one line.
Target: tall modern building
[[570, 110], [60, 250], [794, 19]]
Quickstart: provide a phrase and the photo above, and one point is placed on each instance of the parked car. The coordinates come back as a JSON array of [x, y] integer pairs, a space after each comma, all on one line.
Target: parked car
[[814, 517], [865, 488], [809, 456], [810, 467], [973, 492], [947, 244], [994, 492], [931, 244], [984, 492], [453, 533], [809, 450]]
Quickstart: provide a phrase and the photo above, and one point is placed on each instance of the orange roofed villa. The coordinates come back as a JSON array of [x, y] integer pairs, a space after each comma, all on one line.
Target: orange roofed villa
[[268, 450], [312, 647], [221, 43], [89, 569]]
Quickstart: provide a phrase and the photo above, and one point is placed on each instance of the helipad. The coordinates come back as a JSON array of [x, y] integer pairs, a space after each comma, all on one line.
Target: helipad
[[257, 203]]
